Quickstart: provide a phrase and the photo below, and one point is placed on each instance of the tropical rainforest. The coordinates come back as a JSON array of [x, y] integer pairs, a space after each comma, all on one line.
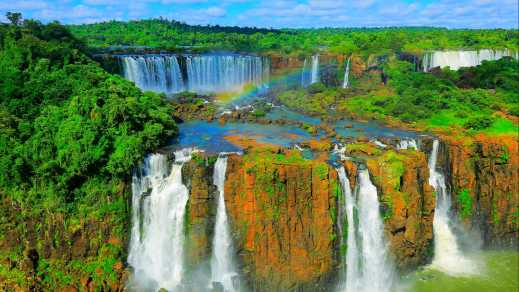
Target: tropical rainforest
[[110, 184]]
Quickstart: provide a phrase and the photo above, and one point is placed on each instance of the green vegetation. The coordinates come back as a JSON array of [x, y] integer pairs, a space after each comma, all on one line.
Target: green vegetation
[[465, 201], [173, 35], [70, 134], [500, 274], [478, 99]]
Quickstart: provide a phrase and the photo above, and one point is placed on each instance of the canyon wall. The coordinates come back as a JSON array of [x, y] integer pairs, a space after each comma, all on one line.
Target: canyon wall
[[283, 213]]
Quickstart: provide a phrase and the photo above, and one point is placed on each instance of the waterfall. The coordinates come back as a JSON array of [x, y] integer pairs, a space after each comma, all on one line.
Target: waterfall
[[223, 269], [448, 257], [368, 265], [458, 59], [157, 236], [346, 81], [405, 144], [203, 73], [352, 276], [219, 73], [315, 69], [154, 73], [304, 81]]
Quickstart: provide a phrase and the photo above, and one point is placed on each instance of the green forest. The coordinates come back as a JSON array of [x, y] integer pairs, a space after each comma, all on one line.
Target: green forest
[[72, 134], [173, 35]]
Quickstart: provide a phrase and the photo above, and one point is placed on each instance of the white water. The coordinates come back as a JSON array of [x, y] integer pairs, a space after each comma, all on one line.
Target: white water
[[369, 267], [352, 276], [221, 73], [346, 81], [154, 73], [223, 268], [315, 69], [448, 257], [458, 59], [158, 208], [407, 144], [304, 81], [204, 73]]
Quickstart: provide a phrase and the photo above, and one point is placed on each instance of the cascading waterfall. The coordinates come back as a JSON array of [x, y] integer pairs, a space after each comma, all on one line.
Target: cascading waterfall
[[369, 267], [351, 278], [203, 73], [346, 81], [221, 73], [223, 268], [304, 72], [157, 237], [154, 73], [315, 69], [458, 59], [407, 144], [448, 257]]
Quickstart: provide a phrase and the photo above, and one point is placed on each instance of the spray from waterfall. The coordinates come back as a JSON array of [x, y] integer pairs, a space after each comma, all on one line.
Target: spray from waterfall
[[368, 266], [157, 236], [346, 81], [223, 268], [448, 257]]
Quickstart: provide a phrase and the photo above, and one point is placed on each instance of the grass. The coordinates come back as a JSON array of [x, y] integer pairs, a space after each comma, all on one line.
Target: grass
[[502, 126]]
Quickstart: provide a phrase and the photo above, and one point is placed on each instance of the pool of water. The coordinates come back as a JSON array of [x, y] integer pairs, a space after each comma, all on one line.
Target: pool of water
[[354, 129], [210, 136], [500, 273]]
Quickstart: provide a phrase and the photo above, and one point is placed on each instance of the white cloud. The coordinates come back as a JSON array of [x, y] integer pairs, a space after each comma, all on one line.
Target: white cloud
[[280, 13]]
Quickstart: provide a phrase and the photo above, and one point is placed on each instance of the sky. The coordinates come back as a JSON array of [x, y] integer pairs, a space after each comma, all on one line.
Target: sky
[[279, 13]]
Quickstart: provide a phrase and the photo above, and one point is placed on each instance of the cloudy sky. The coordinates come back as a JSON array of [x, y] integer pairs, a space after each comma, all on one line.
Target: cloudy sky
[[279, 13]]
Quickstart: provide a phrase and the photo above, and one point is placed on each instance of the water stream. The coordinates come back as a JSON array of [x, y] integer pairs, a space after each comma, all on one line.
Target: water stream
[[157, 238], [448, 256], [346, 81], [368, 266], [223, 268]]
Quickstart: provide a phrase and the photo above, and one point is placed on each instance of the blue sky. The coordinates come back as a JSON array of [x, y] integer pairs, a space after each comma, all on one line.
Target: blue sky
[[279, 14]]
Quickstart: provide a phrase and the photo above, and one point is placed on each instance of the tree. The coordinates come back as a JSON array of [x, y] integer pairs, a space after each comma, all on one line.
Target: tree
[[14, 17]]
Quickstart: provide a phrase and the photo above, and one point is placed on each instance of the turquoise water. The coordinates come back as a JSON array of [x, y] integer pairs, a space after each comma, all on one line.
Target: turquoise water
[[354, 129], [499, 272], [210, 136]]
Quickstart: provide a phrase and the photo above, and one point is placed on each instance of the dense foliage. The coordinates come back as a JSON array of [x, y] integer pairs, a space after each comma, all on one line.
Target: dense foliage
[[165, 34], [478, 98], [70, 134]]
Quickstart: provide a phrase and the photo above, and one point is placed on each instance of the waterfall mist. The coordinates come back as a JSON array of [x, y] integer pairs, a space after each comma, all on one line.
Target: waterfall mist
[[448, 256]]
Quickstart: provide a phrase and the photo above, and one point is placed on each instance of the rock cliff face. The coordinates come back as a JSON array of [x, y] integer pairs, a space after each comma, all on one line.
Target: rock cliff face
[[483, 176], [283, 214], [282, 209], [401, 178], [49, 251], [198, 177]]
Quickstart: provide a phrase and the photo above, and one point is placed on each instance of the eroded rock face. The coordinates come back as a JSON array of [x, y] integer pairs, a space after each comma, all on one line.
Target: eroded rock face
[[483, 175], [198, 177], [407, 202], [282, 214]]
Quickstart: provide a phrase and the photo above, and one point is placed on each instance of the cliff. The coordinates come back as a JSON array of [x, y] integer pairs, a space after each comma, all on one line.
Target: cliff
[[483, 176], [407, 200], [282, 208]]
